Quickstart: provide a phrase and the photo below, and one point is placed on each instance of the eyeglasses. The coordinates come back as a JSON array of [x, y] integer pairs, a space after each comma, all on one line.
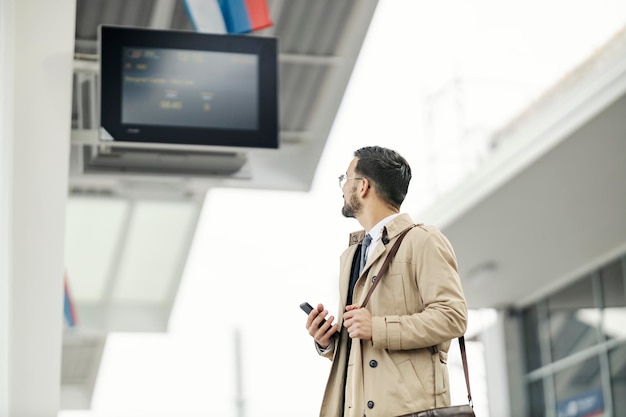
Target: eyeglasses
[[343, 179]]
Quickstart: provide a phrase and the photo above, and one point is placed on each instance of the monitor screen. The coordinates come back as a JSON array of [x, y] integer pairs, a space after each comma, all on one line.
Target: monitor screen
[[188, 88]]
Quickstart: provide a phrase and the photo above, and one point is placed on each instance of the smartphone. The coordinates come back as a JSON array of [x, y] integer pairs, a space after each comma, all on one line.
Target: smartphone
[[307, 308]]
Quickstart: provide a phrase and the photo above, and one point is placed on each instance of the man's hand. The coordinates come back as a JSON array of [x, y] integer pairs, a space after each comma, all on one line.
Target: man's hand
[[322, 335], [358, 322]]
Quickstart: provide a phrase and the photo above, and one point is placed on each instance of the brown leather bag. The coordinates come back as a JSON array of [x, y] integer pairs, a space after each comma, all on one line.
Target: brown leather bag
[[452, 411], [466, 410]]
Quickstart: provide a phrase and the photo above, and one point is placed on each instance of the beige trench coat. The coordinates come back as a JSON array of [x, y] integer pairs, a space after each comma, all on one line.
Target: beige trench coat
[[418, 304]]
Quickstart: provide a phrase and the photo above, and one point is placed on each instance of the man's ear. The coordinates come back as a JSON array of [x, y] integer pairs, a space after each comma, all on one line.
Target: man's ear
[[366, 186]]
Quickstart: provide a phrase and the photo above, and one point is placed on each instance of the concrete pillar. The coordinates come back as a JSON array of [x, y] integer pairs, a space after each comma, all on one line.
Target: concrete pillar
[[493, 339], [6, 141], [504, 353], [36, 78]]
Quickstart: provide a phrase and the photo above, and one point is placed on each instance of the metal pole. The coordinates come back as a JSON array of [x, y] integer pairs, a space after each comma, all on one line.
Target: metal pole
[[239, 401]]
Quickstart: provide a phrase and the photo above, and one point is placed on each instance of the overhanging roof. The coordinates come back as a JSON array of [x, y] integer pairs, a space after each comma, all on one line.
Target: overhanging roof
[[129, 231], [550, 204]]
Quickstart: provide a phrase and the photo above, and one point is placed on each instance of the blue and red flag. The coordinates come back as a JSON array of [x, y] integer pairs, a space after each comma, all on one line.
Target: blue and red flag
[[228, 16], [68, 305]]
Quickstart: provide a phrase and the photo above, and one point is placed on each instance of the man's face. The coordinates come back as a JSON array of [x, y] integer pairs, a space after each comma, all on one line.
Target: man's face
[[351, 203]]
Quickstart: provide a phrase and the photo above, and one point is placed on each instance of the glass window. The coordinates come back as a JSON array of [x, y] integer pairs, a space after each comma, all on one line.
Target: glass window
[[617, 364], [125, 258], [578, 389], [157, 244], [614, 297], [589, 313], [92, 231], [573, 319], [531, 338], [537, 406]]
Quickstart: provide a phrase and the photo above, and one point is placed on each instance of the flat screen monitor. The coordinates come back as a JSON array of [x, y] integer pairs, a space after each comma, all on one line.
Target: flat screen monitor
[[188, 88]]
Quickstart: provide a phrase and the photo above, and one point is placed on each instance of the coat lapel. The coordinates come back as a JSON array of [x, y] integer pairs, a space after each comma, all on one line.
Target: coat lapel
[[390, 232]]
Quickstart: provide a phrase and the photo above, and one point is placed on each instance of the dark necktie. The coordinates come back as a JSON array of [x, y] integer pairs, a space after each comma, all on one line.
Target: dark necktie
[[364, 245]]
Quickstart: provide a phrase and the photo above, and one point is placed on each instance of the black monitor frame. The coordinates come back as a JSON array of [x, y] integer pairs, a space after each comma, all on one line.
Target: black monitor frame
[[113, 40]]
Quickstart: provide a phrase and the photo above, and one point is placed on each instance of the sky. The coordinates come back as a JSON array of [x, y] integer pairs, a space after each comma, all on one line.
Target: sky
[[446, 70]]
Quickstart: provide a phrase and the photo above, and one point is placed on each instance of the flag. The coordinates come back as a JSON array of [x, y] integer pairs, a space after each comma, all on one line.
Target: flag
[[205, 16], [68, 305], [243, 16], [228, 16]]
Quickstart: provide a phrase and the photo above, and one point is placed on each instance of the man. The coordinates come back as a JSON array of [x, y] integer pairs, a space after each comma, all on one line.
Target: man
[[389, 358]]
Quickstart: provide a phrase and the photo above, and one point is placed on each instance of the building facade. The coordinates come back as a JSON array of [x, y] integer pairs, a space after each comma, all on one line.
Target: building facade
[[540, 234]]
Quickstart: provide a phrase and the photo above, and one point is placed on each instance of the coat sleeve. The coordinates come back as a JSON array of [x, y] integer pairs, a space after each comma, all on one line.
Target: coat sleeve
[[444, 315], [328, 352]]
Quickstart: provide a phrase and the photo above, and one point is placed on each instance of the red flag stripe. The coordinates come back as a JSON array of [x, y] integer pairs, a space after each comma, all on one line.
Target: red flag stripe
[[259, 14]]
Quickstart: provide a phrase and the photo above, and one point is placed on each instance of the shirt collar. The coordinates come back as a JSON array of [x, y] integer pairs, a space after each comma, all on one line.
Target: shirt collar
[[377, 231]]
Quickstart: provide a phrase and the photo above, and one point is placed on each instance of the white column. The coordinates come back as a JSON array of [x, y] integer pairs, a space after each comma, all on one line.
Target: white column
[[6, 135], [496, 368], [504, 365], [35, 134]]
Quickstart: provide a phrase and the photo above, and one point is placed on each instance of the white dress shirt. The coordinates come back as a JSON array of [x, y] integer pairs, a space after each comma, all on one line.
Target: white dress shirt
[[377, 232]]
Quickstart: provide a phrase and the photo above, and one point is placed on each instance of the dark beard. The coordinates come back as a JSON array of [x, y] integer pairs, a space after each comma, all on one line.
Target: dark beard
[[351, 207]]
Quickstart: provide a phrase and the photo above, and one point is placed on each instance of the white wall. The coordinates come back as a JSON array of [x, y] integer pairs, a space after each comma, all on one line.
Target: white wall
[[37, 52]]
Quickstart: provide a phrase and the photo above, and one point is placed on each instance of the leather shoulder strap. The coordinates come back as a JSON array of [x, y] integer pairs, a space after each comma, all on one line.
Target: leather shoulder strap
[[385, 266], [465, 369]]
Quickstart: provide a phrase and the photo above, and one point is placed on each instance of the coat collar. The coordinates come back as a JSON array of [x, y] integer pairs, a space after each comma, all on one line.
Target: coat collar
[[391, 229]]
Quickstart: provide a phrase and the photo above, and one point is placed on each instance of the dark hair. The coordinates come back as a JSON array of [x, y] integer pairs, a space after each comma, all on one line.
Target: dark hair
[[387, 169]]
